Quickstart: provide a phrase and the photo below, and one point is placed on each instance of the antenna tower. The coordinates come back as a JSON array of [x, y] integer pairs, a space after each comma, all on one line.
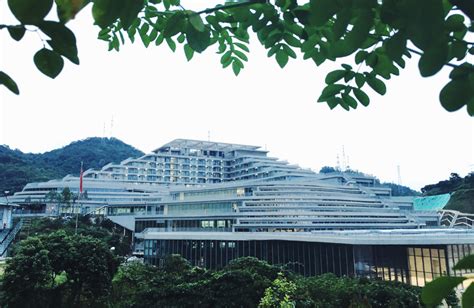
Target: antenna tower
[[399, 176]]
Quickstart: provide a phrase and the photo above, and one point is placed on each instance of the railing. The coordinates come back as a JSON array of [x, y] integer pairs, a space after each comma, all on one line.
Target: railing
[[222, 229], [5, 243], [456, 219]]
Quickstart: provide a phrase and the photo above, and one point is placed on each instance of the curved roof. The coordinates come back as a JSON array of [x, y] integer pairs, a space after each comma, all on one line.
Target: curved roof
[[431, 203]]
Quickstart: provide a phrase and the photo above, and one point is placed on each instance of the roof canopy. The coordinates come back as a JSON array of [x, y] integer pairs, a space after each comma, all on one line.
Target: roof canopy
[[205, 145]]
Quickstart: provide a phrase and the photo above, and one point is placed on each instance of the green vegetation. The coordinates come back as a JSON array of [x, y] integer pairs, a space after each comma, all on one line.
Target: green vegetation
[[249, 282], [380, 36], [99, 228], [56, 268], [59, 270], [17, 168], [461, 189], [441, 288], [397, 190]]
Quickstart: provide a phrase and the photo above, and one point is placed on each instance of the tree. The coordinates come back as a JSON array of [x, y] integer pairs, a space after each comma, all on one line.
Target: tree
[[27, 276], [58, 270], [279, 294], [327, 169], [381, 35]]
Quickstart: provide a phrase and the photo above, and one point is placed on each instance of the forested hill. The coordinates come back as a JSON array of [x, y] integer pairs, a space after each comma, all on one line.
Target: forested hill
[[18, 168], [461, 190]]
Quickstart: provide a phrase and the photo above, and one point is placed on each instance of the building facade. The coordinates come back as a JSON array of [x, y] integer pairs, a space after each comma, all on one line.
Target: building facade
[[213, 202]]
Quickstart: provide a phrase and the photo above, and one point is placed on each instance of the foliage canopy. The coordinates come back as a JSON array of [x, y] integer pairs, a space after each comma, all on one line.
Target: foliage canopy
[[380, 35]]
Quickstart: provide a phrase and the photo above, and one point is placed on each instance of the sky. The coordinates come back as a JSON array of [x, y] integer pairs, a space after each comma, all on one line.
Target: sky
[[148, 97]]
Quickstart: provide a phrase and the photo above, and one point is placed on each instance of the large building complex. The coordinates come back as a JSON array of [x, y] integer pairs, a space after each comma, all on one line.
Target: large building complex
[[213, 202]]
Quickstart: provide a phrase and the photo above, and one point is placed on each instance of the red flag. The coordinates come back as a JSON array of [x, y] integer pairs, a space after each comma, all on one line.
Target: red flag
[[80, 180]]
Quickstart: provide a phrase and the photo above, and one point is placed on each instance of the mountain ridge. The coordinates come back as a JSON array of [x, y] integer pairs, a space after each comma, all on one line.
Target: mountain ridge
[[18, 168]]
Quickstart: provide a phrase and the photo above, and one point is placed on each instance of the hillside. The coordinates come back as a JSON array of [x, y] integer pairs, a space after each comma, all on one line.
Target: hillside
[[461, 189], [18, 168], [397, 190]]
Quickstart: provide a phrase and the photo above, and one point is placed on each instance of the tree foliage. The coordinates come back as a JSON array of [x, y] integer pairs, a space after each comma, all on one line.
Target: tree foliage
[[461, 190], [101, 229], [439, 289], [58, 270], [380, 36]]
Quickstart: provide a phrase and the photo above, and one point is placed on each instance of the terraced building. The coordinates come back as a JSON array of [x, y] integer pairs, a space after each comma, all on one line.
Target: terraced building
[[212, 202]]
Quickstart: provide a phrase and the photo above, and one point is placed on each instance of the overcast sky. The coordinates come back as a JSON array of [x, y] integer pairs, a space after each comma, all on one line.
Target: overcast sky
[[147, 97]]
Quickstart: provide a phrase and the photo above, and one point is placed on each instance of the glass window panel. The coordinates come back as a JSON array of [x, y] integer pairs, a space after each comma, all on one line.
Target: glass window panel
[[411, 263], [426, 252], [443, 266], [418, 251], [421, 279], [410, 252], [436, 267], [413, 280], [434, 253], [427, 264], [419, 263]]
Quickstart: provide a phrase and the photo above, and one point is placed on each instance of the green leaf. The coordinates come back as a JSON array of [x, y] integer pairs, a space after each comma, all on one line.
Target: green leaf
[[241, 55], [468, 297], [105, 12], [433, 59], [143, 31], [196, 21], [342, 21], [291, 40], [466, 263], [456, 94], [396, 45], [171, 44], [226, 57], [188, 52], [435, 291], [48, 62], [320, 11], [360, 31], [333, 102], [360, 56], [8, 82], [16, 32], [377, 84], [330, 91], [236, 67], [62, 40], [281, 57], [335, 76], [470, 107], [457, 49], [242, 46], [129, 12], [361, 96], [349, 100], [175, 24], [67, 9], [197, 40], [159, 39], [153, 34], [454, 23], [30, 11], [360, 80]]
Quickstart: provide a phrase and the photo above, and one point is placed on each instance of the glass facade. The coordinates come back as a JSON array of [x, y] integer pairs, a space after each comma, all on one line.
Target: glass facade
[[308, 259], [412, 265]]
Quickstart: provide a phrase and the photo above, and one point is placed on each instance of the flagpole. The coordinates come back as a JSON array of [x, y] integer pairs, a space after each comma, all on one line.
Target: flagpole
[[80, 195]]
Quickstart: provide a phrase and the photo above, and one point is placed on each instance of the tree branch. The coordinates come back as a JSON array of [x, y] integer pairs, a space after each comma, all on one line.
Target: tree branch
[[420, 54], [230, 6]]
